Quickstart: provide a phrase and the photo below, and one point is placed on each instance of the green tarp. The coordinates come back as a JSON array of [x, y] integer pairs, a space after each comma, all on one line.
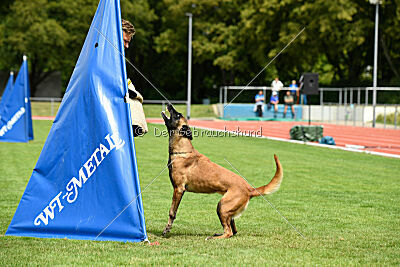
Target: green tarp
[[306, 133]]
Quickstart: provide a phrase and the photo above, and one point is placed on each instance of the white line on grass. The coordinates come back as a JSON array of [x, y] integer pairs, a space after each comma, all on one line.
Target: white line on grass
[[299, 142], [313, 144]]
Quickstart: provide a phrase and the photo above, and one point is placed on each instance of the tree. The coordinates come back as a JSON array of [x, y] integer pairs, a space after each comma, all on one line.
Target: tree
[[214, 42], [28, 29], [51, 33], [232, 41]]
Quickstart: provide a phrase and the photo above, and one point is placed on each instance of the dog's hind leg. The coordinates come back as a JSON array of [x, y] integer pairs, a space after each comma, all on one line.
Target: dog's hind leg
[[233, 226], [176, 200], [225, 222], [220, 219], [231, 205]]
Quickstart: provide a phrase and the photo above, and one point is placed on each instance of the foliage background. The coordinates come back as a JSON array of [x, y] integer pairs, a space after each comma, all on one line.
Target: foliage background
[[232, 41]]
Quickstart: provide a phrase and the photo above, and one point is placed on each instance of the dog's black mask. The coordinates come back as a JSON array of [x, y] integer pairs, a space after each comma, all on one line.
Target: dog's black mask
[[186, 132], [174, 122]]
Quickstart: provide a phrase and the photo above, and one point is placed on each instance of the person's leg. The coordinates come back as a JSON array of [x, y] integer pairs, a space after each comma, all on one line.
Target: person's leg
[[293, 114], [295, 98], [284, 111], [259, 112], [304, 99]]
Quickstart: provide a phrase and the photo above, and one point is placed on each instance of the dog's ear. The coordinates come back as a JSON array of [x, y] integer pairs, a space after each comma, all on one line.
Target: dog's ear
[[186, 132]]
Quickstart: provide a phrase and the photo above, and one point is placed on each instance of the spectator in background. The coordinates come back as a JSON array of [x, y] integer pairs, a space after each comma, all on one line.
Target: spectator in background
[[274, 100], [276, 85], [289, 101], [294, 90], [259, 104]]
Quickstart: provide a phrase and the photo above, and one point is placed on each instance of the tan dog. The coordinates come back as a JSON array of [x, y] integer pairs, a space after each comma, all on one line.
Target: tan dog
[[193, 172]]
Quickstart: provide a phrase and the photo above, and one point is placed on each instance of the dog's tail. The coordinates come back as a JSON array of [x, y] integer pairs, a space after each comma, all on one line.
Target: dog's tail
[[273, 185]]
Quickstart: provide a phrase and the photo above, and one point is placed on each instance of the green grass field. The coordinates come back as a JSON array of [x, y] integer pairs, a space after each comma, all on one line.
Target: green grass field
[[346, 204]]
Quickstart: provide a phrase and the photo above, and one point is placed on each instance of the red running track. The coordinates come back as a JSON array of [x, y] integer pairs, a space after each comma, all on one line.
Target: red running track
[[369, 139]]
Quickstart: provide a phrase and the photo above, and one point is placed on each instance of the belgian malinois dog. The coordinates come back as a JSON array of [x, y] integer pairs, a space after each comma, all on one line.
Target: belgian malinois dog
[[191, 171]]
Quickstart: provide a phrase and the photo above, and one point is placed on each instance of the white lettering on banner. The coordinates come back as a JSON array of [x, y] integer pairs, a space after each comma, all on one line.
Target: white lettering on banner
[[84, 173], [49, 210], [8, 126], [103, 150], [90, 168], [117, 141], [74, 184], [95, 157]]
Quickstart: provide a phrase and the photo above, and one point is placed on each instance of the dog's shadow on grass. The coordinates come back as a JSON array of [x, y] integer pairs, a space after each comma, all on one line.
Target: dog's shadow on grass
[[158, 234], [177, 234]]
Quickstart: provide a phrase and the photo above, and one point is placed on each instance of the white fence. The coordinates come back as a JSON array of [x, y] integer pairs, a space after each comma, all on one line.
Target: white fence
[[352, 114], [354, 106]]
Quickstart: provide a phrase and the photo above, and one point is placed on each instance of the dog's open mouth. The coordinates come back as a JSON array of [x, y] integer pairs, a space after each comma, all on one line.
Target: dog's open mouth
[[164, 115]]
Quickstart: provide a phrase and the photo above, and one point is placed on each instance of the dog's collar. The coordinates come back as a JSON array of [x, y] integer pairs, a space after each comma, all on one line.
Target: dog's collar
[[177, 153]]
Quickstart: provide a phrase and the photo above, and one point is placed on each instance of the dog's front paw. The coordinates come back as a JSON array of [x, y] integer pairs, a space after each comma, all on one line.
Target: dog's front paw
[[166, 231]]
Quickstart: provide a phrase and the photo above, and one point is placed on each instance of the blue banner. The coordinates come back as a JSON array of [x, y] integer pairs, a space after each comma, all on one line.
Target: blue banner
[[85, 184], [6, 92], [15, 117]]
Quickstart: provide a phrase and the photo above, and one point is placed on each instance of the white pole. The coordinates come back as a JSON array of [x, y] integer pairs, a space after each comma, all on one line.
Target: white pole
[[189, 85], [25, 58], [375, 78]]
